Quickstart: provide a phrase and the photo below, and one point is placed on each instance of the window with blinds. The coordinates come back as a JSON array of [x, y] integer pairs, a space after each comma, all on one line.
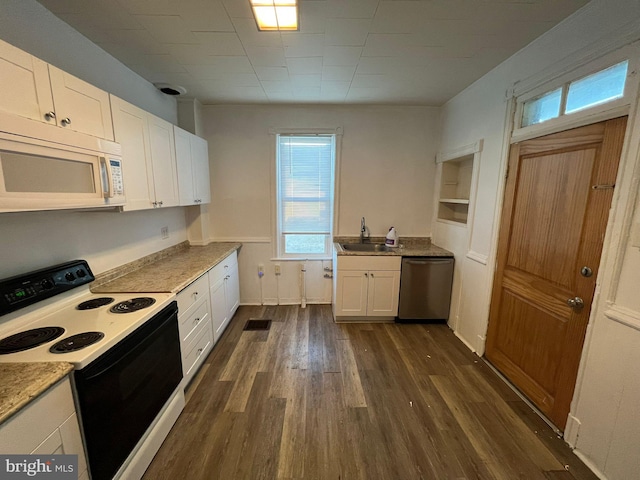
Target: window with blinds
[[305, 175]]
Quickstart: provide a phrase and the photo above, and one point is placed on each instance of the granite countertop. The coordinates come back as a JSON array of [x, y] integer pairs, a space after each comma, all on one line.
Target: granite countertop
[[409, 247], [170, 273], [20, 383]]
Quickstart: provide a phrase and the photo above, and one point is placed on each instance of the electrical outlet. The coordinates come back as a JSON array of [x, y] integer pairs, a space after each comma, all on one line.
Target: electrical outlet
[[164, 231], [277, 268], [260, 270]]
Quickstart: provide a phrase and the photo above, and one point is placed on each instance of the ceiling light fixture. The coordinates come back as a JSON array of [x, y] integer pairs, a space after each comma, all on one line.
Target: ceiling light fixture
[[275, 15]]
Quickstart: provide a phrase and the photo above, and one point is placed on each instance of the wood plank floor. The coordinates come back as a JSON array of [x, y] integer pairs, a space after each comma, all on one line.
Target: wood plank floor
[[310, 399]]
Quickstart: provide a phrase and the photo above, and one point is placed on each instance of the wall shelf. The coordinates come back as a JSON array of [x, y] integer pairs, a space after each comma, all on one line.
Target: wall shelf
[[455, 188]]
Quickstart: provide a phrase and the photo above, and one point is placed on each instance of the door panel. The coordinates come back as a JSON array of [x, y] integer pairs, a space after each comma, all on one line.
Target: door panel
[[553, 224]]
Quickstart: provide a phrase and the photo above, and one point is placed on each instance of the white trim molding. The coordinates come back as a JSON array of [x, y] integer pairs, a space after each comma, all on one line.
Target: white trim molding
[[462, 151], [623, 315], [478, 257]]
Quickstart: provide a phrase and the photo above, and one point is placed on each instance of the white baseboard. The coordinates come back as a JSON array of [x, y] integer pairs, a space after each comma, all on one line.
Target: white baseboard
[[572, 430], [464, 340], [587, 461]]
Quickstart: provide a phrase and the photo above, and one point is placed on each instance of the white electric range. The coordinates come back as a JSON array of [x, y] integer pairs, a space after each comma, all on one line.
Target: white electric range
[[125, 349]]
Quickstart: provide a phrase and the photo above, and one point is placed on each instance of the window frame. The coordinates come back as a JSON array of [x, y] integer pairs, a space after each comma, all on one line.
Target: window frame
[[585, 116], [278, 236]]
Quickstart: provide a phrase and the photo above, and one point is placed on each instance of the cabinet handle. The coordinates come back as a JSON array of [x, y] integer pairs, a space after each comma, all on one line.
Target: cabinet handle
[[50, 115], [196, 321], [66, 121], [195, 294], [366, 274], [160, 202], [372, 275], [155, 204], [199, 351]]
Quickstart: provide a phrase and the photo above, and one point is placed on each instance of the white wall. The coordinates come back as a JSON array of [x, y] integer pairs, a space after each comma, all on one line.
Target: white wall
[[28, 25], [105, 239], [386, 175], [604, 424]]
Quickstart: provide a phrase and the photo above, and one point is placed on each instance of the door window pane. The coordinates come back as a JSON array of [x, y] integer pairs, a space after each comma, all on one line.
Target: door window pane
[[542, 108], [601, 87]]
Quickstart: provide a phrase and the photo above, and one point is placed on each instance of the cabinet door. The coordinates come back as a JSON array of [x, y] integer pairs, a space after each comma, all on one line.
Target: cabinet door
[[383, 292], [232, 290], [79, 105], [186, 175], [351, 293], [132, 132], [28, 77], [163, 158], [200, 161], [219, 311]]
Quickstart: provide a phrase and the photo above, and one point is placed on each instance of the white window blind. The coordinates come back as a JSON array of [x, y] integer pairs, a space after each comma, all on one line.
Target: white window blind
[[305, 191]]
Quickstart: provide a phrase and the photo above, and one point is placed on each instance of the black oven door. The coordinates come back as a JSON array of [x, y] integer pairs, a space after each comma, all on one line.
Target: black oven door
[[121, 392]]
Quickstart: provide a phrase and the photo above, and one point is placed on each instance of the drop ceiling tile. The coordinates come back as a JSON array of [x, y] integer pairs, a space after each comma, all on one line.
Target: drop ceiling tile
[[341, 55], [84, 24], [148, 7], [305, 65], [306, 93], [205, 15], [347, 31], [217, 65], [293, 51], [338, 74], [351, 8], [280, 74], [238, 8], [373, 81], [123, 53], [249, 35], [167, 28], [280, 97], [313, 16], [232, 94], [367, 95], [221, 43], [66, 6], [266, 56], [276, 87], [187, 54], [335, 88], [237, 79], [305, 80], [302, 45]]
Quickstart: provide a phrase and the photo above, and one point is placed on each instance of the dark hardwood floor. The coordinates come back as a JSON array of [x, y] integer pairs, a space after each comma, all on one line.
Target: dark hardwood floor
[[310, 399]]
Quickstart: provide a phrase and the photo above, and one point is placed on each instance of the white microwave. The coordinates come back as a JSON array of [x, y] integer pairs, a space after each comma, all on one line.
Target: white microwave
[[37, 172]]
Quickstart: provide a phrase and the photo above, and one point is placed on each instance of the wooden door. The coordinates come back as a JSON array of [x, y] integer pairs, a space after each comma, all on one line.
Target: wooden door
[[557, 198]]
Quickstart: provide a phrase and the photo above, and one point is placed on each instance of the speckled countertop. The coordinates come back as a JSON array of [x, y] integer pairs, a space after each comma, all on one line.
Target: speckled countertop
[[20, 383], [409, 247], [170, 273]]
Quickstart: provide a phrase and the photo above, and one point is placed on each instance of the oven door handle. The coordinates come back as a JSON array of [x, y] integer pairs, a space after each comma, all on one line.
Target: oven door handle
[[139, 339]]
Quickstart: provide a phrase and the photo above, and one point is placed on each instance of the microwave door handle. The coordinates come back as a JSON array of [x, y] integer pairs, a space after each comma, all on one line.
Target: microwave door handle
[[107, 181]]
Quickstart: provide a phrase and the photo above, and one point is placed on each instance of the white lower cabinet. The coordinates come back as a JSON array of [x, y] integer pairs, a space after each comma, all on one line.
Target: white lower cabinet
[[225, 293], [194, 326], [47, 426], [205, 308], [366, 287]]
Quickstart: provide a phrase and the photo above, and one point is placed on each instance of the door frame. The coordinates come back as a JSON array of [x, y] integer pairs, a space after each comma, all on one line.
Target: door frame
[[619, 222]]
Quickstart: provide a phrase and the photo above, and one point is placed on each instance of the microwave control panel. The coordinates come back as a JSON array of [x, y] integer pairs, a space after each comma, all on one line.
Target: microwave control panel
[[116, 176]]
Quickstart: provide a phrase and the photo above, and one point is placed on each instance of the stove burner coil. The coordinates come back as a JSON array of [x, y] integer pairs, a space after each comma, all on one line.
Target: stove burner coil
[[29, 339], [76, 342], [95, 303], [132, 305]]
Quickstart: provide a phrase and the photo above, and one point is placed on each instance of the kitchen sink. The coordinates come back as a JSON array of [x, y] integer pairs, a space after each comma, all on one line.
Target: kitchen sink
[[365, 247]]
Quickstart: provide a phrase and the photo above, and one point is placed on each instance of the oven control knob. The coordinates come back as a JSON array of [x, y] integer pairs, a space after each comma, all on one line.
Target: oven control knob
[[70, 276], [46, 284], [80, 273]]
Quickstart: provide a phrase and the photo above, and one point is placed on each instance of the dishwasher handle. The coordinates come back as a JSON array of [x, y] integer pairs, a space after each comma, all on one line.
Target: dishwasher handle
[[426, 262]]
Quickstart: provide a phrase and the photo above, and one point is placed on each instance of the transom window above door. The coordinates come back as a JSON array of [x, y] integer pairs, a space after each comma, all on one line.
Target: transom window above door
[[305, 171], [601, 87]]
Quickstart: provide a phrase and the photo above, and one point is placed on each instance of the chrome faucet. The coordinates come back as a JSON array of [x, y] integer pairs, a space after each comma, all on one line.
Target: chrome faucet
[[364, 231]]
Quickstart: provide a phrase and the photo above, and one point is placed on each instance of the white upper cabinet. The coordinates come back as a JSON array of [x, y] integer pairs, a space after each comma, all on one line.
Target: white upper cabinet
[[192, 157], [45, 93], [79, 105], [148, 157]]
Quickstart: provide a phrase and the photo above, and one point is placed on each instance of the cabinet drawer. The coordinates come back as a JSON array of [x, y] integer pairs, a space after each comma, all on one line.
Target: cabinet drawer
[[223, 268], [190, 321], [190, 295], [362, 262], [197, 350]]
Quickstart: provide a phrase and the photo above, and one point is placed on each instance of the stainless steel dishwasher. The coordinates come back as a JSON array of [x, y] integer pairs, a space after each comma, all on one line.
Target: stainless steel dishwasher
[[425, 289]]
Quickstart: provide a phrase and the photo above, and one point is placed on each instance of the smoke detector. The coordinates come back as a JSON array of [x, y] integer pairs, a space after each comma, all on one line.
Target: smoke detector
[[170, 89]]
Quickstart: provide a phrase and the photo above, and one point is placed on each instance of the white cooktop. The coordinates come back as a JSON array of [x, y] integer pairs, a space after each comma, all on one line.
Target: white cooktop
[[61, 311]]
